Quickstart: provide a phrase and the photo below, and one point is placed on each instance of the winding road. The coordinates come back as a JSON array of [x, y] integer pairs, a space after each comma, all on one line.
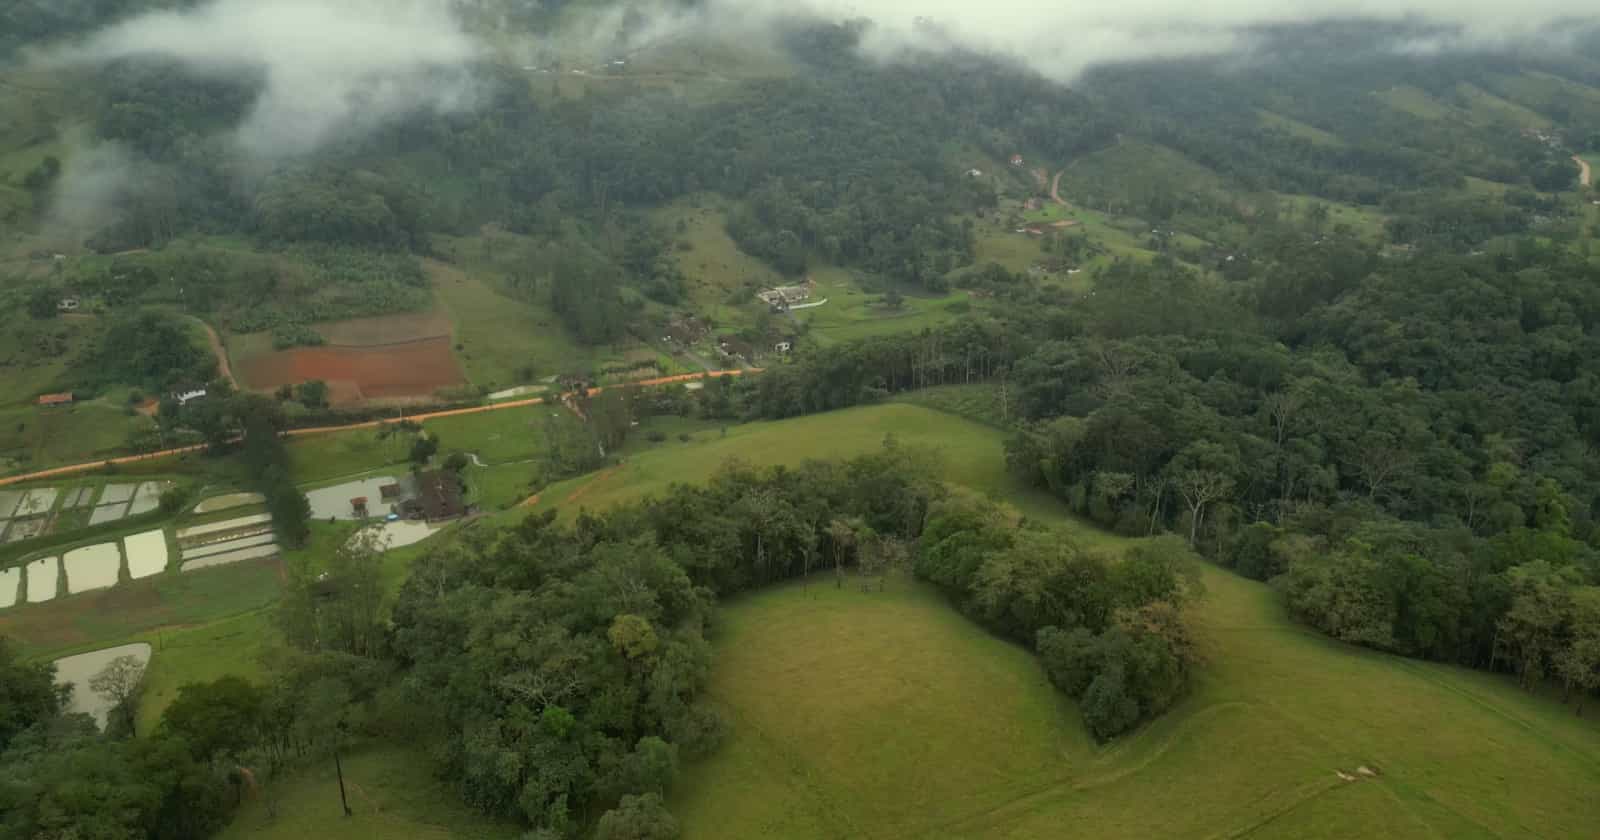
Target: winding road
[[1585, 174], [369, 424]]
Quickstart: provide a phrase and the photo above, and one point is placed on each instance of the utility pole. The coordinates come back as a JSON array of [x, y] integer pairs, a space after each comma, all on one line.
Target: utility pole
[[340, 768]]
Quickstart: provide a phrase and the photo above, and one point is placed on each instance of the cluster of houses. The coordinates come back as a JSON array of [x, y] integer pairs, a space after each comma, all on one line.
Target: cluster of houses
[[782, 298]]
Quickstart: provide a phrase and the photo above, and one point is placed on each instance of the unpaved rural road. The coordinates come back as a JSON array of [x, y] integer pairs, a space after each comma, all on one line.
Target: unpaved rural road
[[369, 424], [1585, 175], [1055, 188], [219, 350]]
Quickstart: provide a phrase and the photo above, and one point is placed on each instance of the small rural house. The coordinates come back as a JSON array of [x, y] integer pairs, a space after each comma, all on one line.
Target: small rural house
[[48, 400], [440, 497], [1016, 160], [783, 346]]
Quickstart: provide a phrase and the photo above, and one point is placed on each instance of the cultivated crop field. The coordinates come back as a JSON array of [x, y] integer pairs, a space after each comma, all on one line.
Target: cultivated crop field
[[412, 369]]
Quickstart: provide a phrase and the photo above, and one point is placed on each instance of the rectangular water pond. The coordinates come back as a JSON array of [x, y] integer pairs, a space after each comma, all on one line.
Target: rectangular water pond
[[38, 500], [25, 529], [199, 531], [147, 553], [108, 513], [231, 557], [228, 545], [10, 586], [92, 567], [42, 576], [232, 500], [148, 497], [8, 502], [78, 670], [114, 493], [77, 497]]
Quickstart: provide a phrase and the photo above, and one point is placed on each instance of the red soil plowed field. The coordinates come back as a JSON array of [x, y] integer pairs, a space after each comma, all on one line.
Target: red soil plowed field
[[411, 369]]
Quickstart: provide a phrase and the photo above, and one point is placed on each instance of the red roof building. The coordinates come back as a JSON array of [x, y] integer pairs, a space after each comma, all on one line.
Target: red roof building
[[55, 399]]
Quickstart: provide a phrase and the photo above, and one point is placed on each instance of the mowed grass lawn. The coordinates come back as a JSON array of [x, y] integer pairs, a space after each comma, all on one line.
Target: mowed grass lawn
[[896, 717]]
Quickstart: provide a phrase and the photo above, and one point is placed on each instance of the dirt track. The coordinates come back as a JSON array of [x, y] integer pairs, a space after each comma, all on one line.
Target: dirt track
[[1585, 175], [220, 351], [370, 424]]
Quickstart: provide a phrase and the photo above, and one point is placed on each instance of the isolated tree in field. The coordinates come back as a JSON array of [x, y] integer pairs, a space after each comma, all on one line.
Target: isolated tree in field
[[1201, 475], [119, 683]]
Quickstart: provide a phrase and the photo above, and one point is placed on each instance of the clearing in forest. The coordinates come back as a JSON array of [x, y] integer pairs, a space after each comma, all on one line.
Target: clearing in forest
[[900, 718]]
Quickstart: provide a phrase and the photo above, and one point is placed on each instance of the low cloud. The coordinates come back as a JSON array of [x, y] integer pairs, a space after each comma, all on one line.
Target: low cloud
[[1062, 38], [329, 67]]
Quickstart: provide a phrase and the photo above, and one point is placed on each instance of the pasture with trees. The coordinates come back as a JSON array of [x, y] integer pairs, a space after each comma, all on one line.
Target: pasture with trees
[[1265, 401]]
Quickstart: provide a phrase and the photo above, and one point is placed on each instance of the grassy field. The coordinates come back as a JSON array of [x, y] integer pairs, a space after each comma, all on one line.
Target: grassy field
[[1365, 221], [835, 737], [1415, 102], [104, 618], [898, 718], [37, 439], [497, 336], [716, 270], [971, 453], [393, 794], [201, 654], [1488, 109], [1296, 128], [851, 313]]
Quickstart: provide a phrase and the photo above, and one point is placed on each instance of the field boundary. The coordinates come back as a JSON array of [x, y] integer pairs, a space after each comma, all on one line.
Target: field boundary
[[75, 469]]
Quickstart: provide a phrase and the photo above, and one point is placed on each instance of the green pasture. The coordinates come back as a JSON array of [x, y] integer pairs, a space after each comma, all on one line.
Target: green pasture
[[1296, 128], [898, 718]]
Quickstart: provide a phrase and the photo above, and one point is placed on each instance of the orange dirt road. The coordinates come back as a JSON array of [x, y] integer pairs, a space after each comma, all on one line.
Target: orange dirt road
[[370, 424]]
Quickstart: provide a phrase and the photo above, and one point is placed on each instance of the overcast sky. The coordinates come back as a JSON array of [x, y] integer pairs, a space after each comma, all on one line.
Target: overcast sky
[[1062, 37]]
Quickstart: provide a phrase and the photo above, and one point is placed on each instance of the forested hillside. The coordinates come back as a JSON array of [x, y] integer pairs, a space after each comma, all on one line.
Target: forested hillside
[[1325, 315]]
